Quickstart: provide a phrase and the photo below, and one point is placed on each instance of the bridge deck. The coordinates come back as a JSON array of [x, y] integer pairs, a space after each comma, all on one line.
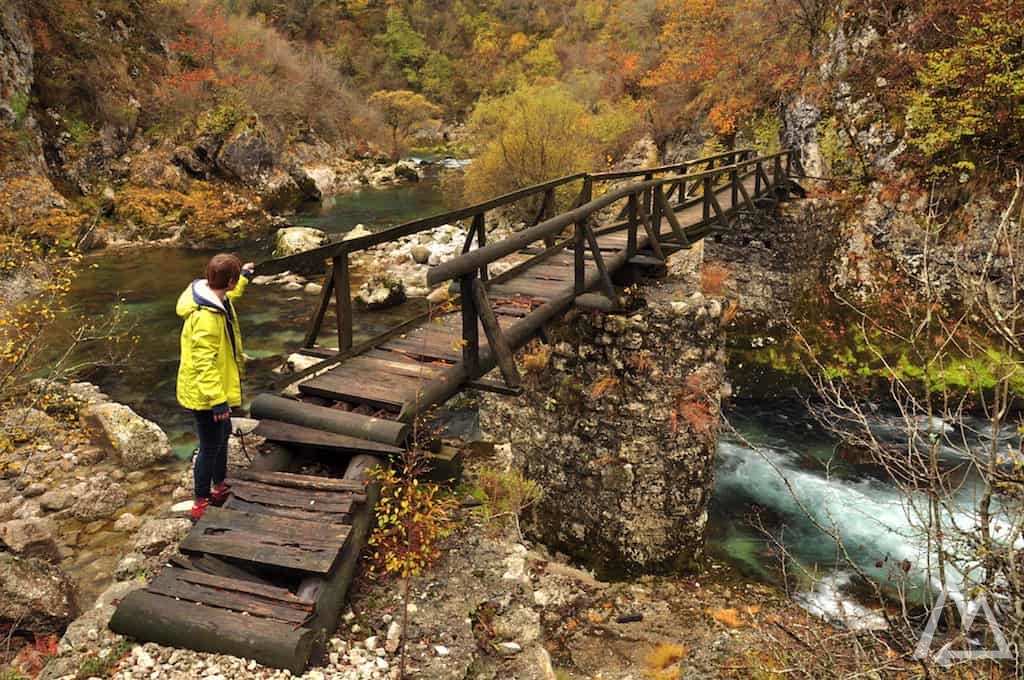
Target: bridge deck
[[394, 375]]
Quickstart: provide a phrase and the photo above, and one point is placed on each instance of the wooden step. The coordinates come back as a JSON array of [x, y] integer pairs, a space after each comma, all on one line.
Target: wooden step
[[297, 544], [240, 596]]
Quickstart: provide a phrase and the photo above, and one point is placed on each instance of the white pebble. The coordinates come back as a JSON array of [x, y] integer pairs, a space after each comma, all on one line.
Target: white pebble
[[370, 642], [510, 647], [382, 664], [441, 650]]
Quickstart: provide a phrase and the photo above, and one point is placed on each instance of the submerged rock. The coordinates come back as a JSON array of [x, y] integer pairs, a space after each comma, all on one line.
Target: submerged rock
[[35, 595], [30, 538], [98, 498], [137, 441]]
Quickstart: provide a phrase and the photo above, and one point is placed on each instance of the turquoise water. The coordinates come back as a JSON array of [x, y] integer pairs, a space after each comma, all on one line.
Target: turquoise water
[[146, 281]]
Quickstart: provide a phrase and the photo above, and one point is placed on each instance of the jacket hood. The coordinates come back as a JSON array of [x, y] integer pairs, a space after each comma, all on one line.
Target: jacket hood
[[197, 295]]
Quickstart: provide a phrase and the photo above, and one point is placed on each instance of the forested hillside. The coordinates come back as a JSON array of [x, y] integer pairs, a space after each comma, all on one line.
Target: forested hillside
[[144, 94]]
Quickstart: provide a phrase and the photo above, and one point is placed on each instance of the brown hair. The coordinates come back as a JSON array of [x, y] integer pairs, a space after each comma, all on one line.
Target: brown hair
[[222, 270]]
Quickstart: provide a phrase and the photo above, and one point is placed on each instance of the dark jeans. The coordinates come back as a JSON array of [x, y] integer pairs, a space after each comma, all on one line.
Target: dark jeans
[[212, 461]]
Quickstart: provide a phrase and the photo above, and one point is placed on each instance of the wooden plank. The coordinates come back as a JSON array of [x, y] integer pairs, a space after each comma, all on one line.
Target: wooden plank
[[210, 565], [387, 381], [414, 370], [238, 504], [280, 541], [517, 287], [218, 520], [417, 347], [166, 584], [277, 593], [298, 481], [268, 495], [296, 494], [345, 388], [288, 433], [262, 549]]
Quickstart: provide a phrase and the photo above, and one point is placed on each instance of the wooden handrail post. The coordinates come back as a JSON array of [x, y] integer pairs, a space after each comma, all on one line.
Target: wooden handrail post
[[707, 198], [481, 241], [734, 182], [579, 264], [648, 195], [470, 332], [631, 229], [789, 163], [777, 172], [758, 171], [342, 300]]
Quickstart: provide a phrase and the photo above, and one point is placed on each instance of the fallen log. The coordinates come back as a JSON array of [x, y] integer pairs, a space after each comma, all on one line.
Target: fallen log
[[272, 407]]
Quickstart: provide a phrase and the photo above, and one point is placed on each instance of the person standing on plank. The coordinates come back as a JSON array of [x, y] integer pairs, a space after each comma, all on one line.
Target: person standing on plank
[[210, 374]]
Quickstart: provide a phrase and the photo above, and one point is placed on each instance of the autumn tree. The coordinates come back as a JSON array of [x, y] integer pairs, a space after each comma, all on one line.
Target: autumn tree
[[537, 133], [970, 92], [402, 111], [724, 61]]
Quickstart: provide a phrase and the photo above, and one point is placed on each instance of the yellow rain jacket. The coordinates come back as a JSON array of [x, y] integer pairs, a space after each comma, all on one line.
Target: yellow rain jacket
[[211, 367]]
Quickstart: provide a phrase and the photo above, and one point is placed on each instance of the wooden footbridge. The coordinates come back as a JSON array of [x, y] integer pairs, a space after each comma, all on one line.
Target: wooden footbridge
[[265, 576]]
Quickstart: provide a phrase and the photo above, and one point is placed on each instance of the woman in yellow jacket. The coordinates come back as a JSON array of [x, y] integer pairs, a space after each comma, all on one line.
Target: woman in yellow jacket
[[210, 374]]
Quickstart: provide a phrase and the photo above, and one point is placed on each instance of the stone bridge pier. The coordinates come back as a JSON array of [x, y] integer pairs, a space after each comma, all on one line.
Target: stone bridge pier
[[618, 423]]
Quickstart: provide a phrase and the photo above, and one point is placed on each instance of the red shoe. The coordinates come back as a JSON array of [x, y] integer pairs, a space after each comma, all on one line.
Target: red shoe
[[198, 508], [220, 493]]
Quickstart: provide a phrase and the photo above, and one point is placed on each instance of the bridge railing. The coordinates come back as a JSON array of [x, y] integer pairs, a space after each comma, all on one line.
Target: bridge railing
[[647, 206], [337, 281], [661, 191]]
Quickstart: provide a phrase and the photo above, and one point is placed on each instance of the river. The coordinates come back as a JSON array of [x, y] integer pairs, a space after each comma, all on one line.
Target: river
[[776, 468]]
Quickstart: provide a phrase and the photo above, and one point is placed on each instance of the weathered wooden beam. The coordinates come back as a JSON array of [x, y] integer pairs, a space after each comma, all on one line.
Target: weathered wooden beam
[[318, 317], [579, 264], [595, 250], [495, 338], [673, 221], [300, 435], [176, 623], [632, 225], [296, 481], [470, 332], [342, 301], [652, 237]]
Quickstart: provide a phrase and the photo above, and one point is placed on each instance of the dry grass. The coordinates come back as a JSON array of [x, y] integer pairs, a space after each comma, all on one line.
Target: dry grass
[[713, 278]]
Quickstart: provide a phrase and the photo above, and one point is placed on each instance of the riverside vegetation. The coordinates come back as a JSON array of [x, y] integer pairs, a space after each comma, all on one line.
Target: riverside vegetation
[[199, 123]]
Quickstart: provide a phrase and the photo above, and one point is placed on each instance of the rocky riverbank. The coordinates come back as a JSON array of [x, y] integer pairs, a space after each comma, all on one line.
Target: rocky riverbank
[[495, 606]]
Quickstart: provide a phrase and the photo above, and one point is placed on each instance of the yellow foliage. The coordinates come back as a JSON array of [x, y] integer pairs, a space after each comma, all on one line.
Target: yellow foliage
[[662, 663], [603, 385], [729, 617]]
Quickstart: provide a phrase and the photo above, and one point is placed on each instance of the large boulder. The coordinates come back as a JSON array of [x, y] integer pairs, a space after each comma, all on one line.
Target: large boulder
[[98, 498], [292, 240], [246, 154], [283, 190], [137, 441], [30, 538], [35, 595]]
